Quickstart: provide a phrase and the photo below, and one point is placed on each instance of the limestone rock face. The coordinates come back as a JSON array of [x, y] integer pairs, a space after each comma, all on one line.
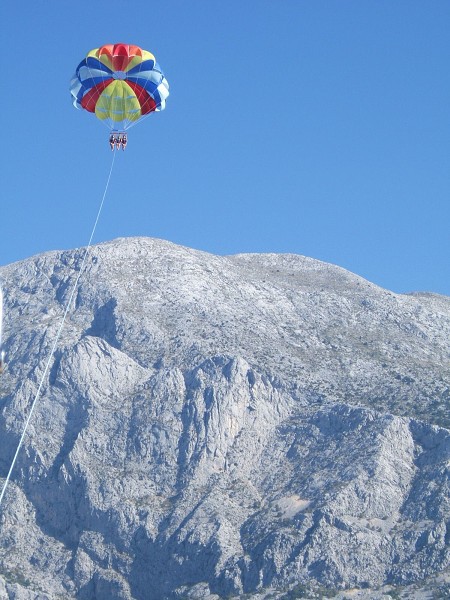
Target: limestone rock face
[[213, 427]]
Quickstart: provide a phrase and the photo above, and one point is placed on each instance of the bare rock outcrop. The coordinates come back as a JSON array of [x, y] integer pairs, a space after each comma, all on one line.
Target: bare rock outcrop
[[210, 427]]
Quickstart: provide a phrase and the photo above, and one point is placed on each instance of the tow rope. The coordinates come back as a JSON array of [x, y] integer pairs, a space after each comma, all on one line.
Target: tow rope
[[61, 325]]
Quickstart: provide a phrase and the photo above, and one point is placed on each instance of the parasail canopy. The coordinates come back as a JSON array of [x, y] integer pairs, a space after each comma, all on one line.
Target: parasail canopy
[[120, 83]]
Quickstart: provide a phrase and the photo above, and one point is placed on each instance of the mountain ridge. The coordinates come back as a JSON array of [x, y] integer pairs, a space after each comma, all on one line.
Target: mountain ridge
[[220, 426]]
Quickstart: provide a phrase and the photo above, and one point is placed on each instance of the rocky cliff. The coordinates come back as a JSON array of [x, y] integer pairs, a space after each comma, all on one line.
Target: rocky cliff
[[215, 427]]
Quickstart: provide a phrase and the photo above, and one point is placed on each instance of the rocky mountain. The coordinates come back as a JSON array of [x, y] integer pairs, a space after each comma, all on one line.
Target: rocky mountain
[[251, 426]]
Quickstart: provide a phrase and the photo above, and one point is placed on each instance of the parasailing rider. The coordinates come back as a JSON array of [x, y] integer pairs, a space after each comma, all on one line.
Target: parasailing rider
[[119, 83], [118, 141]]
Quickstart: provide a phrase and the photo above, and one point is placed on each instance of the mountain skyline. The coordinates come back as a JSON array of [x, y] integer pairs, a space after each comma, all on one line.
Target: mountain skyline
[[300, 127]]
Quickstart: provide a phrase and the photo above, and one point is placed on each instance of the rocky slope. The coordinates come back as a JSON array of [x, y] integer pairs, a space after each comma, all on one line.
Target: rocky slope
[[260, 425]]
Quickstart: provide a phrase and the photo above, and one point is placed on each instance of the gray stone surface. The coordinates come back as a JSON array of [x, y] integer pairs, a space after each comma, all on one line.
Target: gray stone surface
[[261, 426]]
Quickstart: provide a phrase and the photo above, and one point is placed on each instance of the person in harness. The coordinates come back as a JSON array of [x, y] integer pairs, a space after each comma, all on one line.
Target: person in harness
[[118, 140]]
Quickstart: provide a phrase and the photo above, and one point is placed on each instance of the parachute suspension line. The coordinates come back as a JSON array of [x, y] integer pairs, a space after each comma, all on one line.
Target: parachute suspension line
[[61, 325]]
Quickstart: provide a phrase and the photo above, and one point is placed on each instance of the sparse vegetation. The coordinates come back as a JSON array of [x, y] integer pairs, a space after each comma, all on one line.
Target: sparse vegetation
[[16, 577], [443, 591], [304, 591]]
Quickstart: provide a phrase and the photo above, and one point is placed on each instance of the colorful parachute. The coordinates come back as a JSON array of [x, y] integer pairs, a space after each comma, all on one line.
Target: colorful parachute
[[120, 83]]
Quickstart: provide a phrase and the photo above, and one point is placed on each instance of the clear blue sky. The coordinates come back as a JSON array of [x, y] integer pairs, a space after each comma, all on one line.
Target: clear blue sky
[[318, 127]]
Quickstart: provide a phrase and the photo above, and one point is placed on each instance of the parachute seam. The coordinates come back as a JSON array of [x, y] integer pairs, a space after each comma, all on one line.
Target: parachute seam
[[106, 124], [61, 325]]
